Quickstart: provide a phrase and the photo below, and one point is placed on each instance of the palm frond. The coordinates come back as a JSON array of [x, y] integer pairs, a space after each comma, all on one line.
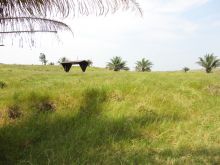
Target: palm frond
[[31, 16], [30, 24], [24, 29], [63, 8]]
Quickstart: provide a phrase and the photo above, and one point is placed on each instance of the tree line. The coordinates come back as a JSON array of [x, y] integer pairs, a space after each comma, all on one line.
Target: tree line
[[209, 62]]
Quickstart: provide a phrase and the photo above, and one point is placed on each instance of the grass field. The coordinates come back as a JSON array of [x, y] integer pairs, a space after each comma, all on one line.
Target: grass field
[[48, 116]]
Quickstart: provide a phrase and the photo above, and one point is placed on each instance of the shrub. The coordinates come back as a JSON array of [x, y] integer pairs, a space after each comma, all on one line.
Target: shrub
[[51, 63], [186, 69]]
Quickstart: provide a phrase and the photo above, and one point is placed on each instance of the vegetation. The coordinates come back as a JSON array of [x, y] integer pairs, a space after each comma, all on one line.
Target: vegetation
[[186, 69], [143, 65], [104, 117], [63, 59], [51, 63], [43, 59], [117, 64], [89, 62], [2, 84], [209, 62]]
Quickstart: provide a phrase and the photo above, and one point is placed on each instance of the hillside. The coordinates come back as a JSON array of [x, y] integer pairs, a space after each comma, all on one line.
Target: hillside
[[48, 116]]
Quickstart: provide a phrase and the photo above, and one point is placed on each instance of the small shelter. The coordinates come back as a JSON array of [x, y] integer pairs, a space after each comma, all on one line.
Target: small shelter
[[67, 65]]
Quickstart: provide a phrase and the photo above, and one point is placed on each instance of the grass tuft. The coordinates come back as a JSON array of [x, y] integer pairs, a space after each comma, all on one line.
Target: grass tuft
[[2, 84], [14, 112]]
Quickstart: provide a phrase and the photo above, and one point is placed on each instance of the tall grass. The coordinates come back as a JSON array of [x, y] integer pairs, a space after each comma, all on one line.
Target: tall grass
[[103, 117]]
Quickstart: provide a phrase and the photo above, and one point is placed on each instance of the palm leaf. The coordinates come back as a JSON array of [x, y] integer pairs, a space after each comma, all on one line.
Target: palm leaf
[[31, 16], [63, 8]]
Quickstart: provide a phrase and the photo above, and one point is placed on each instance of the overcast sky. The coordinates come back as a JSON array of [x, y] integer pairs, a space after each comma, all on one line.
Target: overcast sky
[[171, 33]]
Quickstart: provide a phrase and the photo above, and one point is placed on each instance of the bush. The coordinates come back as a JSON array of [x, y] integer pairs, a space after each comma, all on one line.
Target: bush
[[186, 69]]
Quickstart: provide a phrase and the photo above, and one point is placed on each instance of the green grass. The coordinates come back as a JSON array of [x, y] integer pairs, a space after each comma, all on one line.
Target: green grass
[[104, 117]]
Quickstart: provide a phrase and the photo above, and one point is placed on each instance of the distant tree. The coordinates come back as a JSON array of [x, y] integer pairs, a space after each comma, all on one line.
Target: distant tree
[[209, 62], [117, 64], [51, 63], [42, 58], [143, 65], [63, 59], [90, 62], [186, 69], [126, 68]]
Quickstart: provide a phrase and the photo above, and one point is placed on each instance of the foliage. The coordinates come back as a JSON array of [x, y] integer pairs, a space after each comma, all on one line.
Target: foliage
[[43, 59], [186, 69], [144, 65], [51, 63], [117, 64], [89, 62], [104, 117], [22, 18], [63, 59], [209, 62]]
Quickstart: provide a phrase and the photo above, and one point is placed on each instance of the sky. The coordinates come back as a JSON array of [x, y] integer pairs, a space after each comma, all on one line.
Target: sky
[[171, 33]]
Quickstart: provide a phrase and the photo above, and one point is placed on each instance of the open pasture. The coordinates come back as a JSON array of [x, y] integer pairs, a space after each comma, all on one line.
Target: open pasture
[[48, 116]]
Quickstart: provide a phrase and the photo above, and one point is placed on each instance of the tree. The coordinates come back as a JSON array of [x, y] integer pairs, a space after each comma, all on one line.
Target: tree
[[143, 65], [42, 58], [209, 62], [63, 59], [186, 69], [33, 16], [117, 64], [89, 62]]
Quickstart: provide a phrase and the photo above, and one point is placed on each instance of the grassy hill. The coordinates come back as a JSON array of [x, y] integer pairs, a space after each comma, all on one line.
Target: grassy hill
[[48, 116]]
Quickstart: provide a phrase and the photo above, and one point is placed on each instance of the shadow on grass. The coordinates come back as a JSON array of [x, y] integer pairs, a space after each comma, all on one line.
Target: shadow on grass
[[87, 137]]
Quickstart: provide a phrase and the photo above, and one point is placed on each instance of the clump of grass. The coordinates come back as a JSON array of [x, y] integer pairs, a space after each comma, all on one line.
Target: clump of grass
[[2, 84], [41, 102], [14, 112], [46, 106], [116, 96], [213, 89]]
